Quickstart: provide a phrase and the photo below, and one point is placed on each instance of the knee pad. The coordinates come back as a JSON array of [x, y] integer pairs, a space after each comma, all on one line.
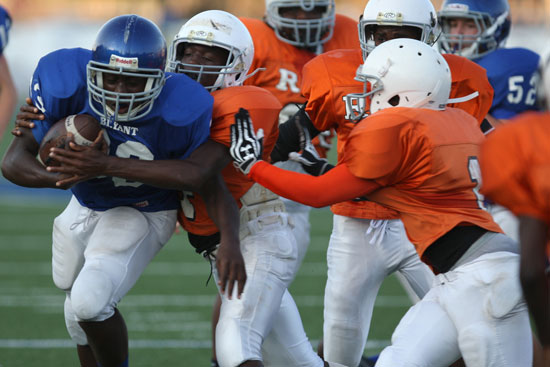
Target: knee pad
[[91, 295], [75, 331], [473, 344], [230, 350], [67, 256]]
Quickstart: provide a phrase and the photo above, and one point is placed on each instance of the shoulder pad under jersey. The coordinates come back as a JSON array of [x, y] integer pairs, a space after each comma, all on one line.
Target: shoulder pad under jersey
[[58, 87], [182, 100]]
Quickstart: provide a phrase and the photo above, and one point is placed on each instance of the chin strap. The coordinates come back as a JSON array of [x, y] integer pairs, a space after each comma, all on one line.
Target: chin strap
[[463, 99]]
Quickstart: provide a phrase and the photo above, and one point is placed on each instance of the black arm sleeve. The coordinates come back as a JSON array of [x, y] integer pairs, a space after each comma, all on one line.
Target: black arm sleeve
[[290, 135]]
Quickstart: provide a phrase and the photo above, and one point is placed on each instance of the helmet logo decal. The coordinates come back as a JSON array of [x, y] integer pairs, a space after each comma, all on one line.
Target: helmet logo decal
[[458, 7], [126, 62], [389, 16], [209, 23]]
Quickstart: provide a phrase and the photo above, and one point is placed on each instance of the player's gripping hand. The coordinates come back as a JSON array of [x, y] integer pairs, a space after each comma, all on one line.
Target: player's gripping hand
[[246, 146], [23, 119], [309, 158]]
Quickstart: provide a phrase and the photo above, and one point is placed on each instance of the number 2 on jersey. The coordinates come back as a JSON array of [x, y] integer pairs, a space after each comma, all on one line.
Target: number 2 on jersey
[[475, 176]]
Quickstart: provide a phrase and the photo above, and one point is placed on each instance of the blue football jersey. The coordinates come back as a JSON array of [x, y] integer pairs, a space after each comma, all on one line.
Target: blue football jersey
[[513, 74], [178, 123], [5, 25]]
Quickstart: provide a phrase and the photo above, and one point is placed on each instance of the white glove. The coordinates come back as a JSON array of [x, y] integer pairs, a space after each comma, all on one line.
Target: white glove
[[246, 146]]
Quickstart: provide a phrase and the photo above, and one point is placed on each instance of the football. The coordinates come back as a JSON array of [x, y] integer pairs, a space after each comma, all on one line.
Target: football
[[84, 128]]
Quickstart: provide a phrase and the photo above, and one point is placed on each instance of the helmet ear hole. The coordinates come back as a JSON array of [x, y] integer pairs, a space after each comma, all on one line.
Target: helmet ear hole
[[394, 101]]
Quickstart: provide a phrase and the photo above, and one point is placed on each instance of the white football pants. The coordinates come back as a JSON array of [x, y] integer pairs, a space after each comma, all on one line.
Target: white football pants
[[361, 253], [476, 311], [270, 254], [298, 214], [506, 220], [97, 257]]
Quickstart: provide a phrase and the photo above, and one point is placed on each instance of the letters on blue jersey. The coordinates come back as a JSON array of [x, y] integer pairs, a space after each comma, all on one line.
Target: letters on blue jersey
[[513, 74], [178, 123], [5, 24]]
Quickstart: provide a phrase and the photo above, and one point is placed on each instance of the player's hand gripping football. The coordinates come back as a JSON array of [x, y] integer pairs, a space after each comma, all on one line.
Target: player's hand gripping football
[[309, 158], [80, 162], [246, 146]]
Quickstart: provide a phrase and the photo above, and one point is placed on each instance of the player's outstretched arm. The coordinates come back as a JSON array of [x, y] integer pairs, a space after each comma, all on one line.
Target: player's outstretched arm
[[223, 210], [20, 165]]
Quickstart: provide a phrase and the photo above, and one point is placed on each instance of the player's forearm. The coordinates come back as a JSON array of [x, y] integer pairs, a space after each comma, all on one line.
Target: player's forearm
[[335, 186], [166, 174], [21, 167], [222, 209]]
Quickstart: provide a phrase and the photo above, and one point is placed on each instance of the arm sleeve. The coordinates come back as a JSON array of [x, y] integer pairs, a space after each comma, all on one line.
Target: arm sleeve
[[337, 185]]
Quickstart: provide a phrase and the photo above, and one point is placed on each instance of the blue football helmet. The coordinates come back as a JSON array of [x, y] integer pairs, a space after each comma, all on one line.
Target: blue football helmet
[[127, 46], [491, 17]]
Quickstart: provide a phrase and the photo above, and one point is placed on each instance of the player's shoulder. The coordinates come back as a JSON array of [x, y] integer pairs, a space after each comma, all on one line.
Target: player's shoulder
[[62, 73], [245, 96], [341, 20], [259, 30], [333, 65], [505, 59], [523, 127], [345, 34], [395, 118], [462, 66], [182, 100], [336, 57]]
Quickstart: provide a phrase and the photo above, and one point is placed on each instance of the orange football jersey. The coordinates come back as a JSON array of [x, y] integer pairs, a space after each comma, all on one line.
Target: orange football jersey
[[467, 78], [263, 108], [330, 76], [426, 162], [283, 62], [326, 80], [515, 165]]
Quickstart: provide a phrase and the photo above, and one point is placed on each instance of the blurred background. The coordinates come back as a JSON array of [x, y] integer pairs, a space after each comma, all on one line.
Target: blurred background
[[168, 312], [43, 26]]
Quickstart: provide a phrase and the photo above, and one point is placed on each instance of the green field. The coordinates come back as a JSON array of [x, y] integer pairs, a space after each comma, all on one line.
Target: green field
[[167, 312]]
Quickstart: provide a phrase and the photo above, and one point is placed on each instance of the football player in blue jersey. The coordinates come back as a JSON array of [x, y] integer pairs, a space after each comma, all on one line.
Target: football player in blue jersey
[[113, 227], [478, 30], [8, 95]]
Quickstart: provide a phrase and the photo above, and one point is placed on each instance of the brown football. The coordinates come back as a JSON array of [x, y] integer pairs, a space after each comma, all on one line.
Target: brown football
[[84, 128]]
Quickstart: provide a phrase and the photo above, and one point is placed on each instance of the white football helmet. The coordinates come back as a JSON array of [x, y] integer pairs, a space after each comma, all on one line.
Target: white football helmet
[[403, 73], [305, 33], [215, 28], [413, 13]]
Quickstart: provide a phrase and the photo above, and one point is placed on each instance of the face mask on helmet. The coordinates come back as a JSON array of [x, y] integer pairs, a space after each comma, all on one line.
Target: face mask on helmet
[[473, 28], [302, 23], [403, 73], [218, 33], [383, 20], [126, 72]]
